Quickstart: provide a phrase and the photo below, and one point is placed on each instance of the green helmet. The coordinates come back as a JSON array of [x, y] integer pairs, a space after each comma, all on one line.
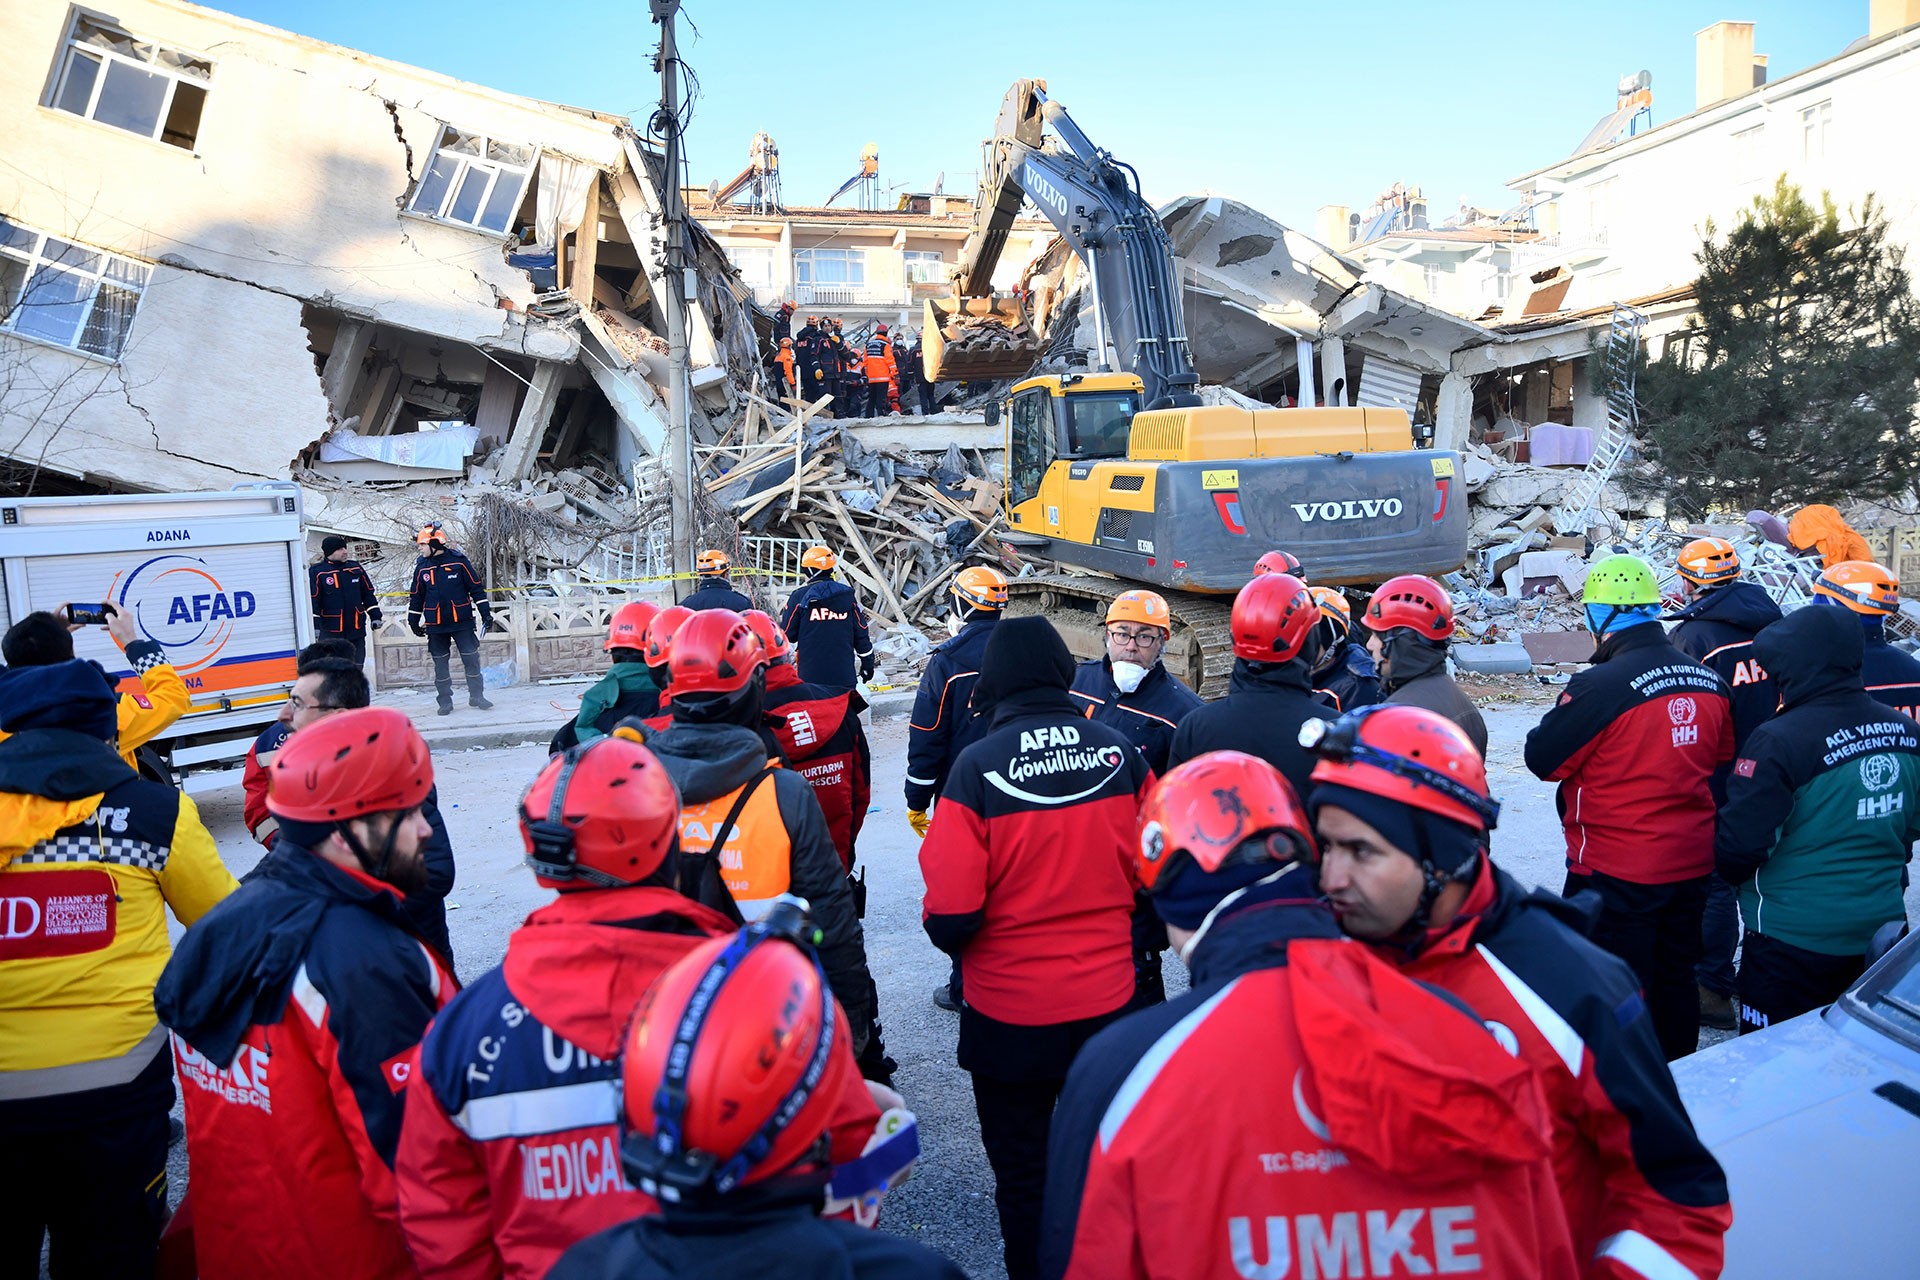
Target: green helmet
[[1622, 581]]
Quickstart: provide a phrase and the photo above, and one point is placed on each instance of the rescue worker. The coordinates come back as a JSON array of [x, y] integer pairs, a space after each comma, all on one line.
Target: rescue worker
[[1343, 674], [785, 362], [447, 592], [1819, 530], [1270, 694], [783, 323], [826, 624], [1873, 595], [715, 589], [1409, 623], [296, 1006], [142, 713], [738, 1157], [1404, 816], [1030, 884], [763, 819], [916, 394], [806, 355], [833, 370], [818, 730], [1822, 810], [1130, 689], [943, 723], [91, 857], [657, 644], [1279, 562], [627, 691], [344, 601], [881, 372], [504, 1198], [1375, 1091], [1634, 742], [259, 758], [1716, 629]]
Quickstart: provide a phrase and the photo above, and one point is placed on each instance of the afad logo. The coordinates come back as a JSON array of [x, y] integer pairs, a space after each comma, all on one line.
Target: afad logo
[[178, 603]]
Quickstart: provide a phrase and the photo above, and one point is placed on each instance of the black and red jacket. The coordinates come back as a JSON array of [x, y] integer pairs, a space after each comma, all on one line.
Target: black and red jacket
[[1148, 716], [1029, 863], [343, 598], [1634, 742], [819, 732], [1717, 631], [1644, 1198], [943, 723], [447, 590]]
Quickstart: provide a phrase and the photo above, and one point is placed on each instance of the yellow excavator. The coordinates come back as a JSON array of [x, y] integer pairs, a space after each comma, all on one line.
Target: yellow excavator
[[1122, 469]]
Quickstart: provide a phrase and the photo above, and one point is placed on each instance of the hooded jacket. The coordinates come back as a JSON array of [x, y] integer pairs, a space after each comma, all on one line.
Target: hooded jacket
[[1892, 675], [296, 1006], [943, 721], [1148, 716], [1823, 805], [1350, 681], [1637, 1182], [1633, 742], [1717, 630], [1265, 706], [149, 703], [1416, 676], [829, 632], [446, 592], [779, 844], [1392, 1136], [1821, 528], [818, 730], [716, 593], [344, 600], [626, 690], [510, 1151]]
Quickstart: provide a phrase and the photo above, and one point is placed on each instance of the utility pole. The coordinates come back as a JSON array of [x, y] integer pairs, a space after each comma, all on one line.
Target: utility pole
[[679, 282]]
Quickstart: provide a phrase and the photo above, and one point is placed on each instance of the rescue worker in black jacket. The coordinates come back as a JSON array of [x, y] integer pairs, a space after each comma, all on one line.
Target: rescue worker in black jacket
[[1130, 688], [447, 592], [343, 597], [827, 625], [806, 357], [715, 589], [1717, 628], [1409, 622], [1344, 674], [1270, 695], [1873, 595]]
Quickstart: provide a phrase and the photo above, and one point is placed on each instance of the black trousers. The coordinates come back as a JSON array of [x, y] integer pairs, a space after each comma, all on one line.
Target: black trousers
[[90, 1170], [810, 385], [926, 396], [1719, 938], [1655, 928], [439, 646], [1779, 981], [877, 400]]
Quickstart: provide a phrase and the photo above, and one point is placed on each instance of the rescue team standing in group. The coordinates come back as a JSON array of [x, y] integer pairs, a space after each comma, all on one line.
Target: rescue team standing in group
[[1391, 1058]]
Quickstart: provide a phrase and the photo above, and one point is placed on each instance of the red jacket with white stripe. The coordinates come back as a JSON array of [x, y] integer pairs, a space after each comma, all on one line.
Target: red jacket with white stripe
[[818, 729], [1645, 1199], [511, 1148]]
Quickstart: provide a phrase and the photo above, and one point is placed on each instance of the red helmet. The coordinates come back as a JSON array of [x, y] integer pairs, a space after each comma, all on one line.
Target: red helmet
[[600, 816], [1278, 562], [1413, 601], [1272, 617], [660, 633], [880, 328], [1210, 807], [772, 638], [369, 760], [714, 651], [1406, 754], [628, 630], [734, 1065]]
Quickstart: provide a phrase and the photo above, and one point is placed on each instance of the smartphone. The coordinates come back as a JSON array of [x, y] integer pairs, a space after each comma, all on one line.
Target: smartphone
[[88, 615]]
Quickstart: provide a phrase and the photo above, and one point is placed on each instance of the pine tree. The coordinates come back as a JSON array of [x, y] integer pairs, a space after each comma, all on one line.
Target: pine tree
[[1797, 378]]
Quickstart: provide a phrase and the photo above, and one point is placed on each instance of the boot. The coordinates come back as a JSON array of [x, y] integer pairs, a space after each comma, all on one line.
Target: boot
[[943, 998], [1716, 1011], [479, 700], [446, 708]]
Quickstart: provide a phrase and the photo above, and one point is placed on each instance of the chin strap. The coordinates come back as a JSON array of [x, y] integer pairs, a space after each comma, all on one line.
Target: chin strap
[[377, 870]]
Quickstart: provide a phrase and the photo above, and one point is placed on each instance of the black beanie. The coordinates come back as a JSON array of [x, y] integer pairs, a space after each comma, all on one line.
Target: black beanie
[[331, 543], [1022, 654], [1184, 900], [1450, 845], [76, 694]]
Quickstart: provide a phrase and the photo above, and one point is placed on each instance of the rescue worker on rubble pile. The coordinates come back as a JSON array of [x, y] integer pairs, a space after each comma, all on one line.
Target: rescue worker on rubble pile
[[784, 360], [881, 372], [1872, 593], [344, 601], [1343, 674], [806, 356], [1716, 629], [715, 590], [1634, 742], [826, 624], [751, 830], [601, 826], [627, 691], [1270, 694], [1409, 623], [783, 322], [916, 393], [1030, 885], [1130, 689], [1404, 816], [307, 985], [1163, 1158], [447, 592], [140, 715], [727, 1077], [1279, 562], [833, 370]]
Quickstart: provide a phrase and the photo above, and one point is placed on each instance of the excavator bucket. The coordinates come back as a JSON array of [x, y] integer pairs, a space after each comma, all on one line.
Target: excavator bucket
[[977, 338]]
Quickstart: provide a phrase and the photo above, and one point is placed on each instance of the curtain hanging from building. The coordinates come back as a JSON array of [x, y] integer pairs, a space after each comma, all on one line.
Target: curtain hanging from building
[[561, 199]]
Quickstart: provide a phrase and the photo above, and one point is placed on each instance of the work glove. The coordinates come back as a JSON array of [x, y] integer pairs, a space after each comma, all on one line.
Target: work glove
[[373, 616], [867, 667], [415, 625], [486, 618], [919, 820]]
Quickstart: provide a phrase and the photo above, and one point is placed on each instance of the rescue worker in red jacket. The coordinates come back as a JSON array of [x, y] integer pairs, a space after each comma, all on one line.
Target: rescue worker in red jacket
[[447, 592], [296, 1006], [1029, 874], [259, 757], [1302, 1110], [818, 730], [727, 1077], [881, 372], [509, 1152], [1634, 742], [344, 600], [1403, 813]]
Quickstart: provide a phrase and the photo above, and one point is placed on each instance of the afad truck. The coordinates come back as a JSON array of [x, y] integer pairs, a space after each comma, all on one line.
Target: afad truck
[[217, 579]]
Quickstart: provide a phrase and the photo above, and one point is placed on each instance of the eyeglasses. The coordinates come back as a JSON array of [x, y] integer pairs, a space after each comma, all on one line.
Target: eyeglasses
[[295, 701], [1135, 639]]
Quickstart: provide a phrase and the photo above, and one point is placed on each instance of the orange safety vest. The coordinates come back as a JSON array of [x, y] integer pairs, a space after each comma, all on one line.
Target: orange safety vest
[[756, 859]]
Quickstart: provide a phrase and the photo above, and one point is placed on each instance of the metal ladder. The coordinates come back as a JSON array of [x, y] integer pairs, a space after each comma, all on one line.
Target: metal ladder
[[1623, 418]]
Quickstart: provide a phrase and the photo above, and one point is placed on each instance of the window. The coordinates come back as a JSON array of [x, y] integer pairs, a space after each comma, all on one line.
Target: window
[[474, 180], [830, 266], [1098, 426], [65, 293], [136, 85], [1813, 130], [925, 266], [1430, 280], [1747, 161], [1030, 444], [755, 263], [1600, 209], [1502, 283]]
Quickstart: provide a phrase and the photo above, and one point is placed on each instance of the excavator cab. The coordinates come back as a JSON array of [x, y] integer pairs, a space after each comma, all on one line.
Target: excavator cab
[[1075, 417]]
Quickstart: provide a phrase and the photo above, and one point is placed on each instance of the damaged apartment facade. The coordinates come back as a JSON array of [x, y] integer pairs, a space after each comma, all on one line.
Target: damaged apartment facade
[[230, 253]]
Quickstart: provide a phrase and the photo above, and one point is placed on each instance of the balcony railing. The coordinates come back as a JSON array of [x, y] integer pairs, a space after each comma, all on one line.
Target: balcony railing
[[849, 295]]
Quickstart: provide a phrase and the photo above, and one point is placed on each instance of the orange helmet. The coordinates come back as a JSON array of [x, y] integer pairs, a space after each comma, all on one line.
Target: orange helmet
[[713, 564], [1334, 608], [819, 558], [981, 587], [714, 651], [1208, 809], [772, 638], [600, 816], [369, 760], [659, 637], [1860, 585], [1279, 562], [1707, 561], [431, 532], [1272, 617], [1147, 608], [628, 629]]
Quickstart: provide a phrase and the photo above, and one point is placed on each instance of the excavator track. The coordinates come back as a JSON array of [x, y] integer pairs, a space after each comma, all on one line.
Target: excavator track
[[1200, 650]]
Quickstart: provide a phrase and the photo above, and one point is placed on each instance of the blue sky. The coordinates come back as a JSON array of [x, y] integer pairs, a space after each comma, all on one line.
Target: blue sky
[[1287, 106]]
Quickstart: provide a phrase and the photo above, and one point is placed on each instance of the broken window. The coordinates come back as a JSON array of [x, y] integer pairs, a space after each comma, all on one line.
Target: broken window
[[136, 85], [474, 180], [755, 263], [67, 294]]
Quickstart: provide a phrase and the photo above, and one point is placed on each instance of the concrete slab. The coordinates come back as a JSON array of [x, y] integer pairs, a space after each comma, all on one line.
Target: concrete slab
[[1549, 647], [1500, 659]]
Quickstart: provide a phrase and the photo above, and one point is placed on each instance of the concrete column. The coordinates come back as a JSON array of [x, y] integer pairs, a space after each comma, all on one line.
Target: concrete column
[[531, 425], [342, 375], [586, 248], [375, 406], [1453, 412], [1334, 391]]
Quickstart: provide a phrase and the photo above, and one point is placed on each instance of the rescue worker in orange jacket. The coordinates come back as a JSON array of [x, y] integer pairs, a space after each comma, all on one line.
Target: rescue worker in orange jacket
[[158, 696], [882, 373]]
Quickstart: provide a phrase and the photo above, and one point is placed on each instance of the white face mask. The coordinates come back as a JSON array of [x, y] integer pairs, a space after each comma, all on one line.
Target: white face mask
[[954, 624], [1128, 675]]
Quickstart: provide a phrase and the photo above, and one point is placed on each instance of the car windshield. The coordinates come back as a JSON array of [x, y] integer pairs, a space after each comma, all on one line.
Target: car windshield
[[1889, 995]]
